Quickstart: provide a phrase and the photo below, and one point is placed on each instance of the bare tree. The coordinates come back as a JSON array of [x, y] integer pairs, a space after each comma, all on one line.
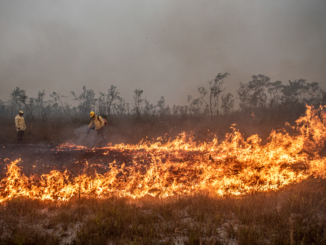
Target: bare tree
[[149, 109], [101, 103], [175, 110], [161, 106], [16, 95], [244, 97], [41, 98], [183, 110], [86, 100], [138, 101], [57, 98], [2, 107], [215, 89], [195, 104], [121, 107], [20, 97], [227, 103], [113, 94]]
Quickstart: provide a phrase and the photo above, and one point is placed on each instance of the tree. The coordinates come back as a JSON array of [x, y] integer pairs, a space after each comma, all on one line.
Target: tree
[[274, 90], [244, 97], [138, 101], [252, 95], [195, 105], [2, 107], [19, 96], [101, 103], [113, 94], [86, 100], [149, 109], [161, 106], [175, 110], [298, 93], [16, 95], [183, 110], [302, 91], [227, 103], [41, 95], [57, 98], [121, 107], [215, 89], [257, 87]]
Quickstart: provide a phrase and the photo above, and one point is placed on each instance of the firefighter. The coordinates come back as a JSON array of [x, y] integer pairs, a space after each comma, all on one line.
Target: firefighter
[[20, 126], [97, 123]]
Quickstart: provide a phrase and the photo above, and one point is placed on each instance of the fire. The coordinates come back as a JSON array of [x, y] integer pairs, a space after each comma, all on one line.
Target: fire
[[234, 166]]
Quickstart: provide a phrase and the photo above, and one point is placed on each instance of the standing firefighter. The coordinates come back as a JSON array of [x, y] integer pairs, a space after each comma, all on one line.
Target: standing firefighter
[[97, 123], [20, 125]]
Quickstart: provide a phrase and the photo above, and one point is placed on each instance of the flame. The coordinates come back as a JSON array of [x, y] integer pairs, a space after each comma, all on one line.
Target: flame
[[234, 166]]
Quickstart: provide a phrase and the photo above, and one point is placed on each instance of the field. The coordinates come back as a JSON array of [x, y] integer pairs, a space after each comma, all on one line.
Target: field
[[210, 185], [295, 215]]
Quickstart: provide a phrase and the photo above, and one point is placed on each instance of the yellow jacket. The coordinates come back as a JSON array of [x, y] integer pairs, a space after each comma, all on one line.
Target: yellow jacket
[[97, 121], [20, 123]]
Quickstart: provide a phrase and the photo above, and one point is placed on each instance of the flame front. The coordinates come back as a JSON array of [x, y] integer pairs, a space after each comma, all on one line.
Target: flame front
[[235, 166]]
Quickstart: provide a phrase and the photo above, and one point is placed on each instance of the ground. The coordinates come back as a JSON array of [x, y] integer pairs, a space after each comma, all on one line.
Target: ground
[[295, 214]]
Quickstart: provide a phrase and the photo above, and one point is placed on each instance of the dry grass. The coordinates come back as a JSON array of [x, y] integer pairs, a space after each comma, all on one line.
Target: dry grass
[[128, 130], [296, 215]]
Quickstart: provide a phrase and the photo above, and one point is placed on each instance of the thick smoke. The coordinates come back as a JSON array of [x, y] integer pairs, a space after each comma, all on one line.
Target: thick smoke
[[166, 48]]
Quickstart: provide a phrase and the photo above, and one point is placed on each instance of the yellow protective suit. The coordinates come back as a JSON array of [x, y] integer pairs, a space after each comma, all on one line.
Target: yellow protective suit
[[20, 123], [97, 121]]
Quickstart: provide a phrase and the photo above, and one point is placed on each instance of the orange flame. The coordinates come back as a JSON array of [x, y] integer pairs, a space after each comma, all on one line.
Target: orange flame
[[235, 166]]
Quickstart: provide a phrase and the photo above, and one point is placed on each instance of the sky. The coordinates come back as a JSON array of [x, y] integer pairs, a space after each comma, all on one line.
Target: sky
[[164, 47]]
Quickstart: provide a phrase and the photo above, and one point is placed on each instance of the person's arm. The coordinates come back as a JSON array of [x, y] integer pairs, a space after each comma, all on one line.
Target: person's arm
[[16, 123], [91, 124], [24, 124]]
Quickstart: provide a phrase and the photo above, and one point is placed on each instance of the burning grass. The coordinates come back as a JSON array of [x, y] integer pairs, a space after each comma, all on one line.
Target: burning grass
[[156, 197], [235, 166]]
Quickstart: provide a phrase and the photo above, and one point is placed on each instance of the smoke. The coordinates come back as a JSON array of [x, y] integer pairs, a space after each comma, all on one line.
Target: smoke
[[83, 137], [166, 48], [90, 138]]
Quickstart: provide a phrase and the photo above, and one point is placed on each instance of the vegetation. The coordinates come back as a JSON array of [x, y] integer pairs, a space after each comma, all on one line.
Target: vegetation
[[296, 215], [262, 106], [260, 97]]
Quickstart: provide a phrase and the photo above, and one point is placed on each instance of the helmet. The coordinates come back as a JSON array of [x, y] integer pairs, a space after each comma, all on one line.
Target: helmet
[[92, 113], [21, 112]]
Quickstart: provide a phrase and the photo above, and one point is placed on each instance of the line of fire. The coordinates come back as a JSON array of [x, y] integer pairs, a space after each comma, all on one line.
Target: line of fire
[[235, 166]]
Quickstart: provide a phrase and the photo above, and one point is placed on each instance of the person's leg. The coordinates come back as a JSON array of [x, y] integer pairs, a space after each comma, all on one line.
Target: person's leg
[[100, 134], [97, 136], [20, 136]]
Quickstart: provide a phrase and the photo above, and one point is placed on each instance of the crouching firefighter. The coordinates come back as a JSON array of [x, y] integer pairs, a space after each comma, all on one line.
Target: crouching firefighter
[[97, 124], [20, 126]]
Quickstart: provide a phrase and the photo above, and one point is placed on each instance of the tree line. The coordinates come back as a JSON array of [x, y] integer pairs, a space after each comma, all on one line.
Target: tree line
[[258, 97]]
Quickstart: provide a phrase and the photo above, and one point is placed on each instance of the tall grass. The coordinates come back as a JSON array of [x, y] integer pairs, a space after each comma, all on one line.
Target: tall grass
[[126, 129], [296, 215]]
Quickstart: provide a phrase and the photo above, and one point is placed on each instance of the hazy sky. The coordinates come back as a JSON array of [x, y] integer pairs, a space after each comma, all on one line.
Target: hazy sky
[[165, 47]]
